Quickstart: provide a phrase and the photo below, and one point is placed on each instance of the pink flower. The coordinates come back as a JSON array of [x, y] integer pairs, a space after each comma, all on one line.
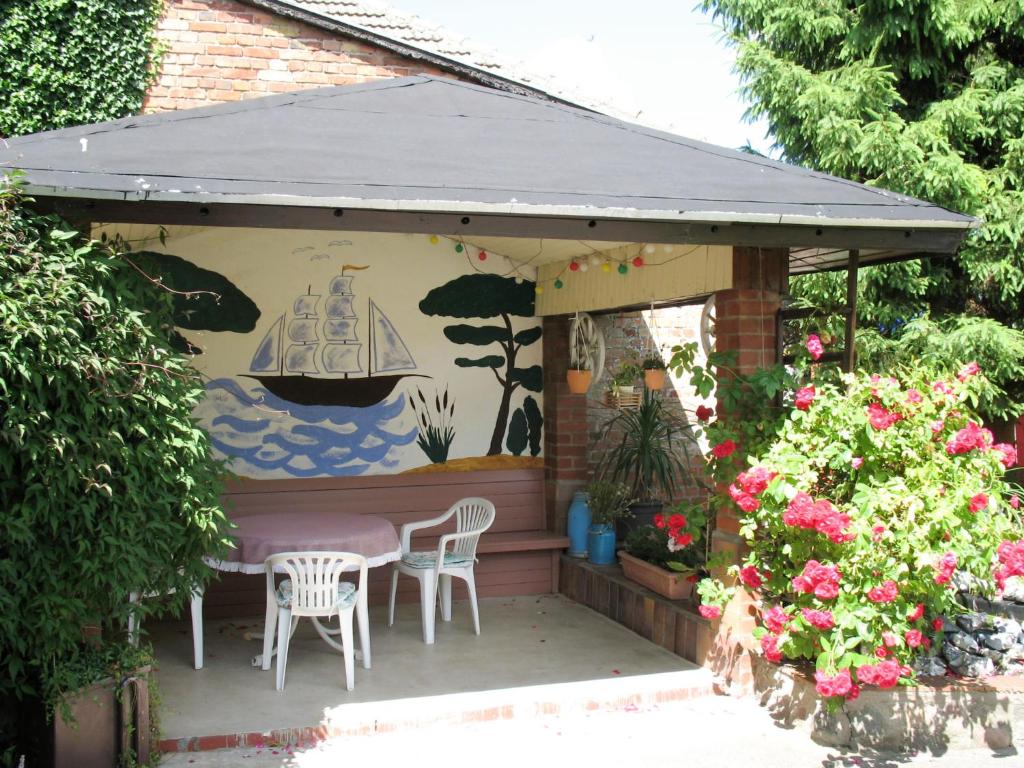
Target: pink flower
[[886, 593], [804, 398], [854, 692], [884, 674], [704, 413], [1011, 561], [709, 611], [971, 437], [944, 568], [881, 652], [826, 590], [913, 396], [814, 346], [1009, 454], [968, 370], [837, 685], [659, 520], [743, 500], [877, 531], [770, 648], [917, 613], [978, 502], [937, 624], [723, 449], [881, 418], [821, 580], [857, 462], [750, 577], [942, 388], [1015, 502], [889, 639], [822, 620], [682, 539], [800, 511], [938, 426], [775, 620], [914, 638], [755, 480], [803, 512]]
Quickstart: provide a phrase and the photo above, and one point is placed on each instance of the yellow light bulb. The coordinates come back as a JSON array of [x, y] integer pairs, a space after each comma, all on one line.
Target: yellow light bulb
[[539, 289], [434, 239], [606, 267]]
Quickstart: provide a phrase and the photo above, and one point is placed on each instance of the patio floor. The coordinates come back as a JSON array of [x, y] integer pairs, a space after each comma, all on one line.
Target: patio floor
[[535, 656]]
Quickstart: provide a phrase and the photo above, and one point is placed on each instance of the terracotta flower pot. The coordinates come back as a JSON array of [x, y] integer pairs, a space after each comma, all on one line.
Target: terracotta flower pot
[[654, 379], [579, 381], [666, 583]]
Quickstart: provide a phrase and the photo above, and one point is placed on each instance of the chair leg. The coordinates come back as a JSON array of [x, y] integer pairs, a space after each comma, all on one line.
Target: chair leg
[[428, 596], [269, 628], [283, 635], [471, 586], [446, 596], [364, 632], [197, 628], [345, 619], [394, 593]]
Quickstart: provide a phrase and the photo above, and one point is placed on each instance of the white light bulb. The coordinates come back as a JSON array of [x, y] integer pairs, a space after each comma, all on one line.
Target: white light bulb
[[595, 260], [583, 266], [667, 248], [648, 249], [519, 279]]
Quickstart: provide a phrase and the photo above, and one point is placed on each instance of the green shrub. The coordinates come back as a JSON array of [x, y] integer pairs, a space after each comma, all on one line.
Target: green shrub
[[107, 484]]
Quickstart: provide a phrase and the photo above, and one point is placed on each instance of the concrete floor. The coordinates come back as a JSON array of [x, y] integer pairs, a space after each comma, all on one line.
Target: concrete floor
[[710, 732], [531, 649]]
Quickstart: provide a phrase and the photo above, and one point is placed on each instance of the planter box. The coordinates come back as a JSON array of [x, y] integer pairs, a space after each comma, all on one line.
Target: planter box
[[666, 583]]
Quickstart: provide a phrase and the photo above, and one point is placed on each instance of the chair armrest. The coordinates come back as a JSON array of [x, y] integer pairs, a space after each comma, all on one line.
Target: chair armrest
[[442, 544], [406, 531]]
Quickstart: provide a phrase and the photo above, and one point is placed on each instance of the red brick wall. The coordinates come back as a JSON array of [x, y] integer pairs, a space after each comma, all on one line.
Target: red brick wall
[[221, 50]]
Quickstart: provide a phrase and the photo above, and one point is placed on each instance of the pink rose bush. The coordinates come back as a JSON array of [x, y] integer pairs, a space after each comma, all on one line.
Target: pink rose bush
[[873, 495]]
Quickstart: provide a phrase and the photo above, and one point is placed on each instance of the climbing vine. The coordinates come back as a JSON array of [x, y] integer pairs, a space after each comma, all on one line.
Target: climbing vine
[[70, 62]]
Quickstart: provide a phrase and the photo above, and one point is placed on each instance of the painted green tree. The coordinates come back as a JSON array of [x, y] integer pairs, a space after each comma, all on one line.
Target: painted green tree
[[490, 296], [923, 97]]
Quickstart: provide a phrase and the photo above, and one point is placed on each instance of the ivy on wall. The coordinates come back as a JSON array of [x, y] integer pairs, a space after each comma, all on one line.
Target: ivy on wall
[[70, 62]]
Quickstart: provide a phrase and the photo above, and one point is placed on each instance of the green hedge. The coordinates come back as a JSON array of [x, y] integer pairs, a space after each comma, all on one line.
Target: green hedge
[[69, 62]]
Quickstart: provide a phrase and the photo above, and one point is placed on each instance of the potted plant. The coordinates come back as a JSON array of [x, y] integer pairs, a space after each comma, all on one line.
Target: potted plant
[[609, 502], [624, 379], [578, 376], [667, 557], [646, 455], [654, 373]]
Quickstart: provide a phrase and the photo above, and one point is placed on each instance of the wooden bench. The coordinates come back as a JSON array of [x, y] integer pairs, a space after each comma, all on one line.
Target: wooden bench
[[517, 556]]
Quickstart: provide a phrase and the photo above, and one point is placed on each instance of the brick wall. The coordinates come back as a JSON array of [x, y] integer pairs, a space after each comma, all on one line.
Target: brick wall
[[631, 335], [221, 50]]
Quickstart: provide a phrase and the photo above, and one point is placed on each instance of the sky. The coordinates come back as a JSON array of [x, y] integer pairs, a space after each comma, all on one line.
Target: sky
[[660, 62]]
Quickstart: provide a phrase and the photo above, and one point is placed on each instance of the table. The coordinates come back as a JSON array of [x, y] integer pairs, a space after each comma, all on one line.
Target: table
[[257, 537]]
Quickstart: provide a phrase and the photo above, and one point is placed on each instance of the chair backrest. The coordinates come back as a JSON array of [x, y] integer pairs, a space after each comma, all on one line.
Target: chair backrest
[[472, 515], [315, 577]]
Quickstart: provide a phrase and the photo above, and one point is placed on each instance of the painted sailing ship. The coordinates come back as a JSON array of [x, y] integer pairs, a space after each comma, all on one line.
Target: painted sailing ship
[[321, 360]]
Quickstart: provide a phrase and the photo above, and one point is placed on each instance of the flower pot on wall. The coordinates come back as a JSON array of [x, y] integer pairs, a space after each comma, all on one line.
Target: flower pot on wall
[[642, 513], [657, 579], [654, 379], [601, 544], [579, 524], [579, 381]]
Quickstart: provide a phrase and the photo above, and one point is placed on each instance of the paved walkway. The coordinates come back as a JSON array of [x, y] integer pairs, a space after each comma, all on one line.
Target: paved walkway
[[713, 732]]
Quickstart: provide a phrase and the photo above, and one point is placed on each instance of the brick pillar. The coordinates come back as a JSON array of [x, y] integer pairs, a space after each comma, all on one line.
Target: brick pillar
[[565, 428], [745, 324]]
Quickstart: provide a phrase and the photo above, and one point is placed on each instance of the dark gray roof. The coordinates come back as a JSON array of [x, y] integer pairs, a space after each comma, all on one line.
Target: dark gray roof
[[434, 145]]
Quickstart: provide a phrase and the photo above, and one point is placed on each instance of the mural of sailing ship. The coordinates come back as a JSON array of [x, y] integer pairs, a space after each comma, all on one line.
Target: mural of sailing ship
[[321, 363]]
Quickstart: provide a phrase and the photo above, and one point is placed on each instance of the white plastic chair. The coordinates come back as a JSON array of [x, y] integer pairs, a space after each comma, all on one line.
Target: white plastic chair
[[196, 605], [314, 588], [434, 569]]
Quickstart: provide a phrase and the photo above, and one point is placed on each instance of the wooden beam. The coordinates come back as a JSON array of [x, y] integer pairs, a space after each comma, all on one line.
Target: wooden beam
[[469, 225], [850, 353]]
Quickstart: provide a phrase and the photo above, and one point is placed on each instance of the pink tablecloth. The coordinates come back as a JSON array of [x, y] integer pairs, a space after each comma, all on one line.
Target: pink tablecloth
[[257, 537]]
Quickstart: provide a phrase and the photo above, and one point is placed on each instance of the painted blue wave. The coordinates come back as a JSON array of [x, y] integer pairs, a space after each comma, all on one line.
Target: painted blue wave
[[260, 433]]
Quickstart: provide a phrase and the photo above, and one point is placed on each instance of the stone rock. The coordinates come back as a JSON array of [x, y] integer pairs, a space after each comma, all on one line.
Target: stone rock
[[964, 642], [1000, 641], [929, 666], [949, 625], [972, 622], [978, 667], [954, 655], [1010, 626], [1014, 591], [1016, 652], [1014, 669], [966, 582], [997, 656]]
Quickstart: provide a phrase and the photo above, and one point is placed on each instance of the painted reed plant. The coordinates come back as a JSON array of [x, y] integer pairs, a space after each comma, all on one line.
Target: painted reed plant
[[435, 424]]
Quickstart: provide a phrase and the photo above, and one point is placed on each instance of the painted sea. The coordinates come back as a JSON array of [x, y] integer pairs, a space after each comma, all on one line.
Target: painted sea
[[264, 436]]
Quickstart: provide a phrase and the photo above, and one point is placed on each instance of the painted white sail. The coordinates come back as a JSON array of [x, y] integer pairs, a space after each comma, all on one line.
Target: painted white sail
[[306, 304], [342, 284], [340, 306], [340, 329], [302, 330], [268, 353], [300, 358], [389, 351], [341, 358]]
